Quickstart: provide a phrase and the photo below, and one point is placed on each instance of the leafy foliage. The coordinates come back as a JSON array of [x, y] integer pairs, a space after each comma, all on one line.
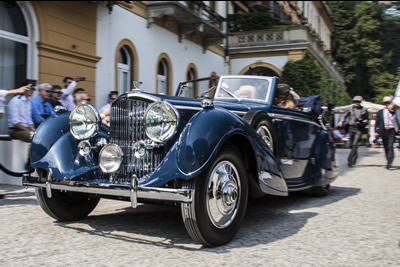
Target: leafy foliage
[[307, 79], [391, 43], [362, 44]]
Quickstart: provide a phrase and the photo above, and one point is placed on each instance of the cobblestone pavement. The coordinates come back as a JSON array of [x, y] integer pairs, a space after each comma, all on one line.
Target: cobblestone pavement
[[357, 224]]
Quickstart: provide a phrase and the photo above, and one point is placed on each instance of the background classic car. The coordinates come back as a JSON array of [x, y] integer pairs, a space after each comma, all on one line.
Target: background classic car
[[209, 153]]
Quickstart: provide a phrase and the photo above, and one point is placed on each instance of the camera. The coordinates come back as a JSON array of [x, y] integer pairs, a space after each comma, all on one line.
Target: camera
[[29, 82]]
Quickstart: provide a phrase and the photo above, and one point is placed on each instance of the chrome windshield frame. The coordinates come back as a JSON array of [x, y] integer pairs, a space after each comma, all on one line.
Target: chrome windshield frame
[[244, 77]]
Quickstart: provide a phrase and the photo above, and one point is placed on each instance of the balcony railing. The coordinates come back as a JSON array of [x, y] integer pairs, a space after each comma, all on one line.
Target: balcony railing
[[286, 39], [191, 17], [272, 7]]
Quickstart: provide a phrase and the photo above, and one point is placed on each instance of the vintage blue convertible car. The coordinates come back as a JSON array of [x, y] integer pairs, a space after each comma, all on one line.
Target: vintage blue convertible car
[[208, 154]]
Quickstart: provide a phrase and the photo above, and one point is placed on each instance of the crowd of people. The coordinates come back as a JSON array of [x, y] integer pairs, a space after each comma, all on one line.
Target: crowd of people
[[384, 126], [25, 113]]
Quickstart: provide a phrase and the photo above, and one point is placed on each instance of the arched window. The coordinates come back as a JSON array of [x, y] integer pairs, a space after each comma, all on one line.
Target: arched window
[[124, 69], [162, 77], [14, 46], [190, 90], [261, 71], [213, 80]]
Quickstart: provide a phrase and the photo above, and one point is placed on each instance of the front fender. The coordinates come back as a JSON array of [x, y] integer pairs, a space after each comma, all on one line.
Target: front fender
[[47, 134], [203, 136], [208, 130], [53, 147]]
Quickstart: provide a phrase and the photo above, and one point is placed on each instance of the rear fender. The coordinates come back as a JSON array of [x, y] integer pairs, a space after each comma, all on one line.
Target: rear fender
[[325, 170]]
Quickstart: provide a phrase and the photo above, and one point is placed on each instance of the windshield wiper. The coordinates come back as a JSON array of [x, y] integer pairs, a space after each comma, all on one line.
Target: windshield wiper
[[230, 93]]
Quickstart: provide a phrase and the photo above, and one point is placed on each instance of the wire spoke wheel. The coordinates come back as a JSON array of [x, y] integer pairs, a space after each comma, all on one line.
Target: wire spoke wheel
[[220, 200]]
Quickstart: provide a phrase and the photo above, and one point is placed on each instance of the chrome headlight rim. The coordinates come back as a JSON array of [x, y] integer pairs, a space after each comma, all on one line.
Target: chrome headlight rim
[[97, 123], [176, 113], [121, 153]]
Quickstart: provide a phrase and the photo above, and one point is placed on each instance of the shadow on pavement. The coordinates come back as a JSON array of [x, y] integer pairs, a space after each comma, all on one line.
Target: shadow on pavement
[[18, 197], [362, 152], [268, 219]]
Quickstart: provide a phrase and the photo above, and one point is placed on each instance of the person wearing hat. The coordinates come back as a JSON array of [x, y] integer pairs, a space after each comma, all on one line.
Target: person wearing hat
[[356, 118], [386, 127], [396, 108]]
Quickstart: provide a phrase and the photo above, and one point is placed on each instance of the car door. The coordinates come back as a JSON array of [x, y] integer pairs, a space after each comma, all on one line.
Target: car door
[[296, 138]]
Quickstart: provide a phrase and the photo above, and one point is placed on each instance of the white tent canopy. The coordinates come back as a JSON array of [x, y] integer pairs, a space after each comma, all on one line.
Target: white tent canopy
[[372, 108]]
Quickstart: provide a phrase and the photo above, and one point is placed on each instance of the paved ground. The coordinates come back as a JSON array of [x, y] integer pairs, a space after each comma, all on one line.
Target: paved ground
[[358, 224]]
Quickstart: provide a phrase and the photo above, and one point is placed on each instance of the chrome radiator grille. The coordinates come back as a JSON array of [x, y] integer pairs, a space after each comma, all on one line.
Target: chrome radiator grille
[[126, 128]]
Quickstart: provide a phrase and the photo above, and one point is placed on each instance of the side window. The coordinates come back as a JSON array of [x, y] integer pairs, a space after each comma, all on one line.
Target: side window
[[14, 43], [124, 69], [162, 77]]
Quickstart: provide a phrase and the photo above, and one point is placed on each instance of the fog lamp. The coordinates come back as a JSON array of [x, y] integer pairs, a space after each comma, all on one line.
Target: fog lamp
[[84, 148], [110, 158]]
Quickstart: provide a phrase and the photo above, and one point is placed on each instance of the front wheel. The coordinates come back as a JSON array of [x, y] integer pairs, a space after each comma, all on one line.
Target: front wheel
[[220, 200], [66, 206]]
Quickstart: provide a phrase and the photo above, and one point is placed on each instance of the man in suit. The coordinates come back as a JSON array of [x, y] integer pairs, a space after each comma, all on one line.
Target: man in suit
[[386, 127], [356, 118], [396, 107]]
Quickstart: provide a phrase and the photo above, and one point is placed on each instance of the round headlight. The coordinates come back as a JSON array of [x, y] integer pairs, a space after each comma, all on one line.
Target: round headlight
[[84, 121], [110, 158], [161, 121]]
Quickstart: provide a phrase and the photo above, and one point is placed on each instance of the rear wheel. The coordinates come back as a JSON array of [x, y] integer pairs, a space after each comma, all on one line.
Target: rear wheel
[[220, 200]]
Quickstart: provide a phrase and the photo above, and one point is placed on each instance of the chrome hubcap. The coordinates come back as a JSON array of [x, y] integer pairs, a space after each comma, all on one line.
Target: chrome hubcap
[[266, 136], [223, 194]]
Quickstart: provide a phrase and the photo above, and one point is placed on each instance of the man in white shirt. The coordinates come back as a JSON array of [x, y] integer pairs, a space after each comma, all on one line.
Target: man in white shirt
[[20, 124], [3, 96], [67, 100], [5, 93], [385, 127], [396, 104]]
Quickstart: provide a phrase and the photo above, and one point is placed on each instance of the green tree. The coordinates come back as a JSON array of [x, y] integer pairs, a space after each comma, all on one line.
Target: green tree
[[303, 75], [372, 78], [307, 79], [364, 44], [343, 40], [391, 43]]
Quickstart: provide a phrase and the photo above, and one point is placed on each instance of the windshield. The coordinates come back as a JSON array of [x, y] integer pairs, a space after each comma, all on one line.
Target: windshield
[[243, 88]]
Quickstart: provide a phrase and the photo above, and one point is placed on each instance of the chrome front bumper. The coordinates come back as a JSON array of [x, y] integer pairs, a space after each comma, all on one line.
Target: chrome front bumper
[[132, 191]]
